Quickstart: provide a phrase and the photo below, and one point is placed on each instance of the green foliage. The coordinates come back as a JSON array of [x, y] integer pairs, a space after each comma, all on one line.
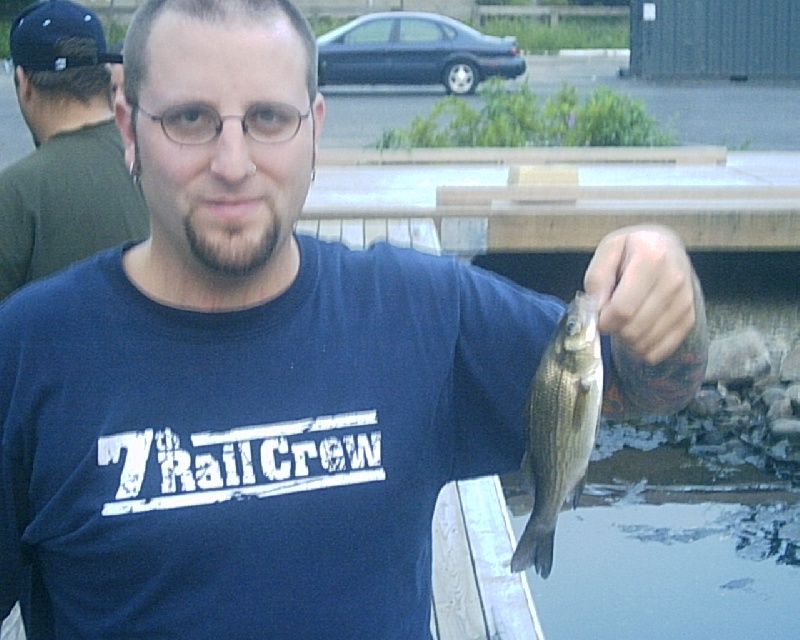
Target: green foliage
[[10, 8], [610, 119], [518, 118], [5, 45], [322, 23], [534, 36], [115, 32]]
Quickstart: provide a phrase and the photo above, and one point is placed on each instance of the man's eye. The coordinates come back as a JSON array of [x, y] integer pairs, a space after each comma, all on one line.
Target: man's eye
[[188, 117], [270, 116]]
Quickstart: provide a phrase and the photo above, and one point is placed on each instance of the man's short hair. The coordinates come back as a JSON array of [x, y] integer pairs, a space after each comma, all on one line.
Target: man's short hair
[[136, 40]]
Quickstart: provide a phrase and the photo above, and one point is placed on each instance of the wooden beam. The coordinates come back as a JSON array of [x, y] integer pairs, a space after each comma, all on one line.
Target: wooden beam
[[554, 229], [457, 600], [688, 155], [543, 193]]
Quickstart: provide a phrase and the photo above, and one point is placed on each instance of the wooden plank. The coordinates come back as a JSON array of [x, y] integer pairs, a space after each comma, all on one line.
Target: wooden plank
[[507, 601], [539, 174], [365, 211], [688, 155], [11, 628], [424, 236], [374, 231], [566, 226], [330, 230], [307, 227], [484, 196], [456, 602], [398, 232], [570, 229], [465, 235], [353, 233]]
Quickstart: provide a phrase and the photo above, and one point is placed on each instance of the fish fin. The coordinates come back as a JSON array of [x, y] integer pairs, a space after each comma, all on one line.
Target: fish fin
[[577, 493], [580, 404], [535, 549], [527, 482]]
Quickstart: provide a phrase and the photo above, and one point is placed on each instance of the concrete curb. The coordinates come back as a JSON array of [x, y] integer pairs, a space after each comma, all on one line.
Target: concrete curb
[[597, 53]]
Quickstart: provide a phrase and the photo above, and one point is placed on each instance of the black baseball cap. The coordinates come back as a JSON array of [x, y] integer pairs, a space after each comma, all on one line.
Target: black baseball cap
[[38, 28]]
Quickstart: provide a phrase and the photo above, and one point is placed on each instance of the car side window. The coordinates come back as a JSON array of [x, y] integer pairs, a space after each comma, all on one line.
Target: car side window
[[376, 32], [419, 31], [449, 32]]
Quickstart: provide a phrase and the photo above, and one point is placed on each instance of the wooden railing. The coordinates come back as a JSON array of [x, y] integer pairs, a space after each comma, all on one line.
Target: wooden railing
[[688, 155], [550, 15]]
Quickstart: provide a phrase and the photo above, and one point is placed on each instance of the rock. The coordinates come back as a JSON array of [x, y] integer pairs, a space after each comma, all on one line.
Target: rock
[[790, 367], [781, 408], [791, 531], [738, 356], [785, 427], [771, 395], [793, 393], [705, 403]]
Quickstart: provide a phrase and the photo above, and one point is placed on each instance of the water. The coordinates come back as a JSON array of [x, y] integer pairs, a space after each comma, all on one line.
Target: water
[[650, 559], [613, 581]]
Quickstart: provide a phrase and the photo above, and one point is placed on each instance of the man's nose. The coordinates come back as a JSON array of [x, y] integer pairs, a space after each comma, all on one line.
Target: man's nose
[[232, 160]]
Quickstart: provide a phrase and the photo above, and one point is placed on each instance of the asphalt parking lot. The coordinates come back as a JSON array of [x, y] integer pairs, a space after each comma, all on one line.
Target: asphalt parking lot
[[752, 115], [757, 116]]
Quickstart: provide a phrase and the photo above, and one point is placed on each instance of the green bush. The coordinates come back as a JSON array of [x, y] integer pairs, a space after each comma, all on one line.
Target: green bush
[[570, 33], [10, 8], [518, 118], [610, 119], [5, 46]]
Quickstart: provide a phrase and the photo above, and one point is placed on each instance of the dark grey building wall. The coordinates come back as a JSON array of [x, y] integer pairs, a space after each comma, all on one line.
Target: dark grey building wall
[[738, 39]]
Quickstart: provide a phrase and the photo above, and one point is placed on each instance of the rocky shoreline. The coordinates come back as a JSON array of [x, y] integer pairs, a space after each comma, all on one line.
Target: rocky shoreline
[[746, 413]]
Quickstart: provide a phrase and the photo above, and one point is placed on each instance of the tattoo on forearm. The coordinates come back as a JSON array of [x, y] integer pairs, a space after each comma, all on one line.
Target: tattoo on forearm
[[640, 388]]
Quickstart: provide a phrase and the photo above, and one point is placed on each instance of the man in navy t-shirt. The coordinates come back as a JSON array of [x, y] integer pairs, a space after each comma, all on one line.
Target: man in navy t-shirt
[[230, 431]]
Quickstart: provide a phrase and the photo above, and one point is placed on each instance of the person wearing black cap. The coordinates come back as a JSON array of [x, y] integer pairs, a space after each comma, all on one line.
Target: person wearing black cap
[[72, 196]]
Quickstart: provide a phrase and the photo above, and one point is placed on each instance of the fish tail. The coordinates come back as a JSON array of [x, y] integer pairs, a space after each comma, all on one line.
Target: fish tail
[[535, 549]]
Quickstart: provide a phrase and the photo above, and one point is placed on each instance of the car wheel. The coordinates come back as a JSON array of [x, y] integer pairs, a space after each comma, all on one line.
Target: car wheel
[[460, 78]]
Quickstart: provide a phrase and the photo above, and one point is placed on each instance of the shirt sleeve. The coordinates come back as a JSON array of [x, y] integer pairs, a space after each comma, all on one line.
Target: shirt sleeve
[[504, 329], [16, 237], [10, 544]]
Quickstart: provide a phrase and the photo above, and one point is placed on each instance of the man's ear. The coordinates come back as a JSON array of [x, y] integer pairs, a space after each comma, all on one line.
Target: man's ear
[[23, 83], [123, 114], [319, 116]]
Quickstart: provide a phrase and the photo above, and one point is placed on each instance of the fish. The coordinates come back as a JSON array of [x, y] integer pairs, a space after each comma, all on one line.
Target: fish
[[562, 414]]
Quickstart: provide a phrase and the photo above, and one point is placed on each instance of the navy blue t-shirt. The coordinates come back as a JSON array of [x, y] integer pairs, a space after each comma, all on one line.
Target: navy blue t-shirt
[[264, 473]]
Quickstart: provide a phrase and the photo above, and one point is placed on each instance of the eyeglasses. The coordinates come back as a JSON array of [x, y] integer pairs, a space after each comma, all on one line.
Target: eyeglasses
[[265, 122]]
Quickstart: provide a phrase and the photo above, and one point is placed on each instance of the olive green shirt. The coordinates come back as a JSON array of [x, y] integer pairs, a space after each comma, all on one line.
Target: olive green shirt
[[65, 201]]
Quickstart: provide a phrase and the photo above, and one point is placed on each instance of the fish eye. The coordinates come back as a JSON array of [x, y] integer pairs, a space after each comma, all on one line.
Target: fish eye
[[573, 326]]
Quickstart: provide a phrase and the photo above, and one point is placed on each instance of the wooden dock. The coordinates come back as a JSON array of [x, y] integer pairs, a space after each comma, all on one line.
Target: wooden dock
[[11, 627], [716, 200], [475, 595]]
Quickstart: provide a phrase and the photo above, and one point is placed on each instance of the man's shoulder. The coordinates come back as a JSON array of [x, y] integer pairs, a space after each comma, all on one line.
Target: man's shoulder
[[24, 169], [48, 299], [94, 135], [55, 153]]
